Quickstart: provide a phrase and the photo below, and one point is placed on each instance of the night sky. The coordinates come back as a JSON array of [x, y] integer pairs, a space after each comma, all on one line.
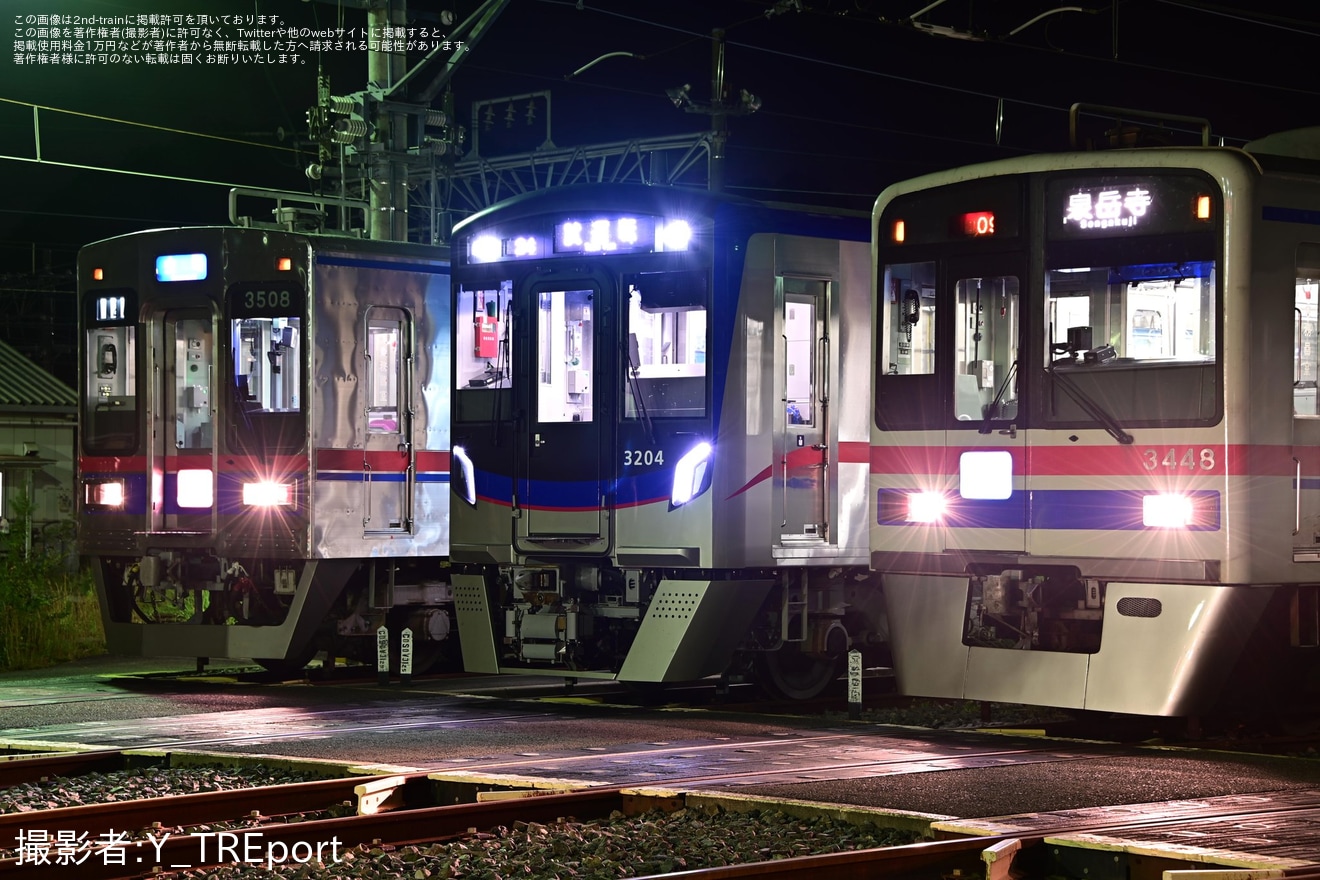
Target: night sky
[[853, 96]]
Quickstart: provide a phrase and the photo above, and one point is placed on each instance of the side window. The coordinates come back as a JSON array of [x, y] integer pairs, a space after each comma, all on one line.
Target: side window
[[985, 347], [384, 374], [908, 320]]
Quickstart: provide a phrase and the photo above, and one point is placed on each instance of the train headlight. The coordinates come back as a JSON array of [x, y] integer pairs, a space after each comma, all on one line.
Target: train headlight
[[462, 477], [485, 249], [1166, 511], [268, 494], [926, 507], [675, 235], [691, 475], [106, 493], [196, 488]]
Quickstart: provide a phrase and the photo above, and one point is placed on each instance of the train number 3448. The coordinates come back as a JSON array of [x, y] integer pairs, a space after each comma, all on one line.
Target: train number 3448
[[1192, 459]]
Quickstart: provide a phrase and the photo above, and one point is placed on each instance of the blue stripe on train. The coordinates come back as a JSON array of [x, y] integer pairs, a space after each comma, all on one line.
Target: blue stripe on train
[[1081, 509]]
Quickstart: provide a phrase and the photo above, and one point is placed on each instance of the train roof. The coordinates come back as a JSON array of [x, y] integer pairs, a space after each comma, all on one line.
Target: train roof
[[633, 196]]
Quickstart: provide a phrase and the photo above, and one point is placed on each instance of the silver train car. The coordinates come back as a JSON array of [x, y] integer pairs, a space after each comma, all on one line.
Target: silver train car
[[661, 438], [1095, 448], [264, 444]]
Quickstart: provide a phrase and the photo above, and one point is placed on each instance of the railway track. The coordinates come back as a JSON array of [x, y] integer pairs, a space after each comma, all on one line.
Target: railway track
[[276, 824], [265, 841]]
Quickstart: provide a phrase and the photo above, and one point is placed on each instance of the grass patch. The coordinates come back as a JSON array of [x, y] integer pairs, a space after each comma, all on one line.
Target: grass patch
[[51, 614]]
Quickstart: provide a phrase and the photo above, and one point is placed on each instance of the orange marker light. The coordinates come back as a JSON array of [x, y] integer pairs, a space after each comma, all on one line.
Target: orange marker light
[[98, 274], [1202, 207], [284, 264], [900, 231]]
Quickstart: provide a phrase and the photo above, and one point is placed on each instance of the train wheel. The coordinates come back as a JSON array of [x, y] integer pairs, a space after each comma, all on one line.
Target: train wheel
[[791, 675]]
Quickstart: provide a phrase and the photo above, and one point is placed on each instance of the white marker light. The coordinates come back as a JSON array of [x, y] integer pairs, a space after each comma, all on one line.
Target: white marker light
[[1166, 511], [985, 475], [674, 236], [485, 249], [196, 488]]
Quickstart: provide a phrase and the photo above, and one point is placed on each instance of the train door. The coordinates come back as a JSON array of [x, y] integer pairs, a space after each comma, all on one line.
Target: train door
[[390, 457], [183, 422], [983, 446], [802, 450], [560, 487]]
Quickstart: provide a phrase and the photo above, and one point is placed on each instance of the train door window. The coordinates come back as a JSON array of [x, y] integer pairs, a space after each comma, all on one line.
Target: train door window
[[384, 371], [565, 350], [110, 371], [1306, 322], [907, 343], [985, 347], [191, 392], [266, 379], [482, 324], [799, 349], [665, 371]]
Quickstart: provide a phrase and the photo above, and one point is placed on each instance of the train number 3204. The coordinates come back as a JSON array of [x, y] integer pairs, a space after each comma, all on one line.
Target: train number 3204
[[638, 457], [1191, 459]]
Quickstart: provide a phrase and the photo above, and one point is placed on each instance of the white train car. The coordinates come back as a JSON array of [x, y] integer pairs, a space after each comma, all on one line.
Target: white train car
[[264, 443], [1095, 469]]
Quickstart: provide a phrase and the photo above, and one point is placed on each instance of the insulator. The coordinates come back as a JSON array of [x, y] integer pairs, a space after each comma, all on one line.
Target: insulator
[[341, 104], [436, 118], [438, 147], [349, 130]]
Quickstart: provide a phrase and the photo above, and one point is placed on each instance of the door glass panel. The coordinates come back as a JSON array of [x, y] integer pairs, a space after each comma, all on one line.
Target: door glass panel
[[985, 347], [564, 343], [1306, 351], [191, 394], [384, 368], [799, 363]]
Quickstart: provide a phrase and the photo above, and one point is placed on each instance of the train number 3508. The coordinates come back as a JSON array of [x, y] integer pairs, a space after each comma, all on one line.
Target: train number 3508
[[1191, 459], [637, 457]]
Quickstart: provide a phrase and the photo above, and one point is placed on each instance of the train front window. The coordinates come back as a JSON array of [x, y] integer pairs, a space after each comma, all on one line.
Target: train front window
[[266, 369], [985, 348], [907, 345], [665, 369], [1140, 339], [110, 398]]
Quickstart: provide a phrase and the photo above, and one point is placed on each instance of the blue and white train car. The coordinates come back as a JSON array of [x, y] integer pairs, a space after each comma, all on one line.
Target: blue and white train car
[[660, 438]]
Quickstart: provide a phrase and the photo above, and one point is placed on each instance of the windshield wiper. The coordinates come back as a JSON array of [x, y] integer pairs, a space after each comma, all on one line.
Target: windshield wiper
[[999, 398], [1090, 407], [631, 373]]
